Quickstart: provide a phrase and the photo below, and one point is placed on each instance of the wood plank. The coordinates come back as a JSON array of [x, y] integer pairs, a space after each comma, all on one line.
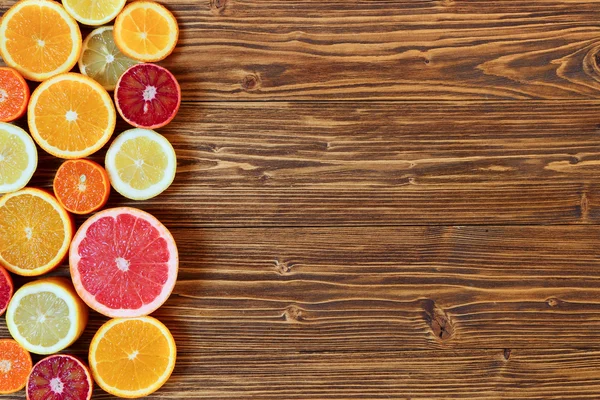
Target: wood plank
[[308, 164], [399, 49]]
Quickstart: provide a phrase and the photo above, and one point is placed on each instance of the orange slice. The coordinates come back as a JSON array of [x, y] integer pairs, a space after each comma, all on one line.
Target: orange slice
[[35, 232], [146, 31], [71, 116], [14, 95], [39, 39], [132, 357], [15, 365], [81, 186]]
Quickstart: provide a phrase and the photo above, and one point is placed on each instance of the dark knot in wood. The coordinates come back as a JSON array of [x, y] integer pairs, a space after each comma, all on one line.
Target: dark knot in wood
[[218, 5], [294, 315], [250, 82], [282, 267], [438, 320], [507, 354]]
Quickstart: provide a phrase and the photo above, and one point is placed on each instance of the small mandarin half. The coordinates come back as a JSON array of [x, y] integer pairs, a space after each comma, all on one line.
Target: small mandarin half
[[81, 186], [71, 116], [59, 377], [35, 232], [146, 31], [15, 364], [39, 39], [6, 289], [14, 95], [124, 262], [141, 347]]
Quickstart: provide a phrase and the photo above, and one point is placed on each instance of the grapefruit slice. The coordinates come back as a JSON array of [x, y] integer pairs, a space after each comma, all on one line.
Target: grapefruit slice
[[147, 96], [124, 262], [59, 377], [6, 289], [15, 364]]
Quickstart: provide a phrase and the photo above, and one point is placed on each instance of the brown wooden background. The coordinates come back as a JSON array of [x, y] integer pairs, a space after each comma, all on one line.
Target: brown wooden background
[[383, 199]]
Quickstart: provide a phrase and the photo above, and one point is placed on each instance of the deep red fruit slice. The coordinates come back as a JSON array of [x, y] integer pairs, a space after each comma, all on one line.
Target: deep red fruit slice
[[147, 96], [124, 262], [6, 289], [59, 377]]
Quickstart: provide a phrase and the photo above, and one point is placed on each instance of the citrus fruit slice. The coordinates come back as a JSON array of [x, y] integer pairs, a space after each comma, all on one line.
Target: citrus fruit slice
[[94, 12], [18, 158], [141, 164], [102, 60], [132, 347], [39, 39], [35, 232], [14, 94], [81, 186], [15, 364], [124, 262], [6, 289], [146, 31], [59, 377], [46, 316], [147, 96], [71, 116]]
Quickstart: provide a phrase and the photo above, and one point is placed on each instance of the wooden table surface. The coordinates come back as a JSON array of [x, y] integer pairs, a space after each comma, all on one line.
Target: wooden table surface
[[383, 199]]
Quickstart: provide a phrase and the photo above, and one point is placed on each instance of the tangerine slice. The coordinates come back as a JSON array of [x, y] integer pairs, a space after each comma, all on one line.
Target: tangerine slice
[[81, 186], [15, 364], [14, 94]]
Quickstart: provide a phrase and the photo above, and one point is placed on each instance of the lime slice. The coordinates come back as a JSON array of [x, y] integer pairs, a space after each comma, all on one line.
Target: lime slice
[[18, 158], [102, 60]]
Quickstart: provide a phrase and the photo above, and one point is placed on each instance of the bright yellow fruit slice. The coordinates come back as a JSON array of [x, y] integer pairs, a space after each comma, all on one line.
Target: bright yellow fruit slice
[[46, 316], [94, 12], [18, 158], [102, 60], [132, 357], [141, 164]]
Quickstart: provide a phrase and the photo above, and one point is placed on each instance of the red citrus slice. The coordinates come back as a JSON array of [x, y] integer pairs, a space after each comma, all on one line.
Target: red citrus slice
[[6, 289], [147, 96], [59, 377], [124, 262]]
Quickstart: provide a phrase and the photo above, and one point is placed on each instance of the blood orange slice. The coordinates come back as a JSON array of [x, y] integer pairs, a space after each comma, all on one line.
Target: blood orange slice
[[147, 96], [59, 377], [6, 289], [124, 262]]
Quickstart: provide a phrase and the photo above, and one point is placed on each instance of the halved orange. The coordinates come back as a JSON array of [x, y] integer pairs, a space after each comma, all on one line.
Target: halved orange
[[146, 31], [81, 186], [15, 365], [71, 116], [39, 39], [35, 232], [14, 95]]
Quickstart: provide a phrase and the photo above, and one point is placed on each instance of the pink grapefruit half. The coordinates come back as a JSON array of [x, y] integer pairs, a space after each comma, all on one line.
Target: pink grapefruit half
[[124, 262], [147, 96], [59, 377], [6, 289]]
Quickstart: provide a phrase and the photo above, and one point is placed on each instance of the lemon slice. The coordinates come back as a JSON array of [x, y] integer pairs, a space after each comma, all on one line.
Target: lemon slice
[[102, 60], [94, 12], [141, 164], [46, 316], [18, 158]]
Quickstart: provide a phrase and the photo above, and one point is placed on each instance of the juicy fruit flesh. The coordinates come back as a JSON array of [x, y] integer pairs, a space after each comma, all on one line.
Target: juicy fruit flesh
[[71, 115], [58, 378], [79, 185], [152, 37], [103, 61], [95, 9], [141, 163], [31, 232], [124, 262], [148, 95], [42, 318], [15, 364], [131, 349], [5, 290], [14, 159], [13, 95], [50, 45]]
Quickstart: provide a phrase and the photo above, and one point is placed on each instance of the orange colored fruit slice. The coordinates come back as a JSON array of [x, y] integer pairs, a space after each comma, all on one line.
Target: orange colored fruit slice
[[35, 232], [81, 186], [14, 95], [15, 364], [6, 289], [146, 31], [71, 116], [132, 347], [60, 377], [39, 39], [124, 262]]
